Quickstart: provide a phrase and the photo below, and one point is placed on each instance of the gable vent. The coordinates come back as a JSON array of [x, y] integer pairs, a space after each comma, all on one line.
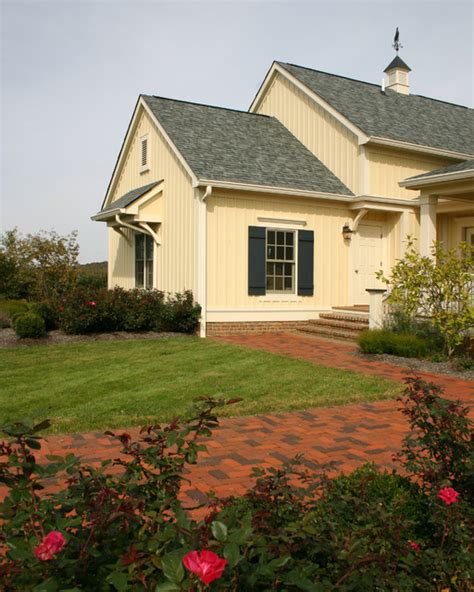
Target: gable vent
[[144, 153]]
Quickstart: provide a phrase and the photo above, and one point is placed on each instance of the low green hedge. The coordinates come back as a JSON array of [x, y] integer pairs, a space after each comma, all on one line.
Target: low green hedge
[[381, 341]]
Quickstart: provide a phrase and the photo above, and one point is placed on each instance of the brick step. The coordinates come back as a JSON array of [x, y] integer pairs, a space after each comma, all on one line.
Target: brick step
[[344, 317], [349, 324], [353, 308], [325, 331]]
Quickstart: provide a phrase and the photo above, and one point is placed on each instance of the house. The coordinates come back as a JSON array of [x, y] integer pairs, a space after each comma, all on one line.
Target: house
[[276, 215]]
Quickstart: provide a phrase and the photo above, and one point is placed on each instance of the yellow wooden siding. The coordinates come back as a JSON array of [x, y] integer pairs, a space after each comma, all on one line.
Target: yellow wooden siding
[[386, 168], [175, 258], [228, 220], [121, 263], [319, 131]]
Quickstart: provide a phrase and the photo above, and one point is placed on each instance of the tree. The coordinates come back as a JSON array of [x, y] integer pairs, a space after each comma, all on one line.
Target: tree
[[439, 288], [39, 266]]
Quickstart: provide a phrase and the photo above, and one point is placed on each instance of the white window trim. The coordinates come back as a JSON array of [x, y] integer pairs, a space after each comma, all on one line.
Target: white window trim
[[144, 167], [144, 268], [283, 296]]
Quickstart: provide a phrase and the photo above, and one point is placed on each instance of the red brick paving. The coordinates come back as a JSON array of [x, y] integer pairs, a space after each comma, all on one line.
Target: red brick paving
[[349, 435]]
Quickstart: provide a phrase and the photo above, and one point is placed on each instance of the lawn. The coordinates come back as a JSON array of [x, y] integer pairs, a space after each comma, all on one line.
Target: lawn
[[99, 385]]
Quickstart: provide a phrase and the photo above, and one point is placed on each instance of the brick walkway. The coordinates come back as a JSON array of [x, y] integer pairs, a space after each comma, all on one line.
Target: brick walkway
[[349, 435]]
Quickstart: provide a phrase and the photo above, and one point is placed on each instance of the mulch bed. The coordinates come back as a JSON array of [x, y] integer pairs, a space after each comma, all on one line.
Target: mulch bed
[[420, 365], [8, 338]]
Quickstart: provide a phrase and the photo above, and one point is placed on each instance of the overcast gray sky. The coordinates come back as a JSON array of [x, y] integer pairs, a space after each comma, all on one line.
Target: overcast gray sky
[[71, 72]]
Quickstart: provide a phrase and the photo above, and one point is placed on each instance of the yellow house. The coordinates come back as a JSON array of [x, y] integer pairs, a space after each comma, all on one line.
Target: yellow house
[[275, 216]]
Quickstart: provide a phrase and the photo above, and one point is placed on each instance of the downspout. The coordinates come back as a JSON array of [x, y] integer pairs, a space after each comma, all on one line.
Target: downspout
[[202, 255]]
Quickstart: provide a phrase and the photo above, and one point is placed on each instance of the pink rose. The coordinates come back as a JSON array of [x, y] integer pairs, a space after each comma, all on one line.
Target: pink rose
[[448, 495], [415, 546], [50, 545], [92, 303], [205, 564]]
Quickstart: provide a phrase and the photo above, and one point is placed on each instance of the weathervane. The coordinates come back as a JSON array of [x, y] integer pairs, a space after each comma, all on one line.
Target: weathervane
[[396, 41]]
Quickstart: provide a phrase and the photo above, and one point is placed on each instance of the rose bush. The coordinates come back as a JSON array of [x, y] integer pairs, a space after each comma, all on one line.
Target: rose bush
[[123, 526], [85, 311]]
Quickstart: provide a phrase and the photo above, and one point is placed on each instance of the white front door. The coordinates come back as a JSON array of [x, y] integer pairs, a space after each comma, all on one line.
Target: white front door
[[367, 260]]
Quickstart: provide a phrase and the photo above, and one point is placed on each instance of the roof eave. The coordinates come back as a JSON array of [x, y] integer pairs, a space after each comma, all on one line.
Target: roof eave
[[273, 189], [418, 148], [415, 183]]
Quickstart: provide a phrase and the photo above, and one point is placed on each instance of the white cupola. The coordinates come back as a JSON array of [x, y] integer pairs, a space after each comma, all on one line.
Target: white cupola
[[397, 73]]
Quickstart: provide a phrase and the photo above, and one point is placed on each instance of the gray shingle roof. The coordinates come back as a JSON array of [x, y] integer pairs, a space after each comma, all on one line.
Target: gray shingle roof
[[407, 118], [130, 197], [228, 145], [466, 165]]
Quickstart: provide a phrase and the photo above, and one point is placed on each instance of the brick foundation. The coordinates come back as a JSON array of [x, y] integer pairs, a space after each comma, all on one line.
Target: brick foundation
[[253, 327]]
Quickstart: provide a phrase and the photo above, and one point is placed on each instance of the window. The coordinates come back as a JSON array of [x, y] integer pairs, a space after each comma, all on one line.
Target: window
[[144, 247], [144, 156], [280, 261]]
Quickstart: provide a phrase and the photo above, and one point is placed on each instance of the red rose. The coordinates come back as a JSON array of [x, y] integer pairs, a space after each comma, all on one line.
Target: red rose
[[50, 545], [448, 495], [205, 564], [415, 546], [92, 303]]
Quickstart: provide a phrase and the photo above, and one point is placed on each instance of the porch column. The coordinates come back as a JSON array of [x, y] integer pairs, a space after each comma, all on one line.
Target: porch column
[[428, 205]]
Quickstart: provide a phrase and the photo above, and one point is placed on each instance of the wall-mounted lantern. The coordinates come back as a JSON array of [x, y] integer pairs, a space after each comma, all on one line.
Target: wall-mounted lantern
[[347, 232]]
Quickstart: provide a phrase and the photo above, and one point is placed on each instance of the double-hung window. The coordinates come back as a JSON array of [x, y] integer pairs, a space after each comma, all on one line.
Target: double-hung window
[[280, 261], [144, 247]]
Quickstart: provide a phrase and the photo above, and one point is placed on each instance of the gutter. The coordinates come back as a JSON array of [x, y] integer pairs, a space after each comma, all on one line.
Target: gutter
[[271, 189], [413, 182], [418, 148]]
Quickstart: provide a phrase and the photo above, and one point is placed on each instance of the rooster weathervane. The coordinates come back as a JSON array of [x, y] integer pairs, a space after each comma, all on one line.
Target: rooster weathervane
[[396, 41]]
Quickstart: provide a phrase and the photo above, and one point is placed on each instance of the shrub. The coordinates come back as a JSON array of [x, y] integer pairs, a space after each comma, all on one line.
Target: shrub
[[48, 312], [92, 281], [380, 341], [123, 526], [29, 325], [438, 288], [399, 322], [99, 311]]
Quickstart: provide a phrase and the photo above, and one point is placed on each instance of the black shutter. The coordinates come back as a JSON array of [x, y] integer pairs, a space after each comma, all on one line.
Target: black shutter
[[305, 262], [257, 240]]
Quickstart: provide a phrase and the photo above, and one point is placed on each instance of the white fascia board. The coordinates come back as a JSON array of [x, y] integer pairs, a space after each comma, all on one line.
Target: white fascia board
[[374, 199], [362, 137], [440, 178], [375, 140], [276, 190]]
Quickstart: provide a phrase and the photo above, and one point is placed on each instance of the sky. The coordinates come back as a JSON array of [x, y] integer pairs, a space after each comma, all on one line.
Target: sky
[[71, 72]]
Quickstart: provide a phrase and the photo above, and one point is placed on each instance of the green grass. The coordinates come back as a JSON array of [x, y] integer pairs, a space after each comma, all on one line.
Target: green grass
[[100, 385]]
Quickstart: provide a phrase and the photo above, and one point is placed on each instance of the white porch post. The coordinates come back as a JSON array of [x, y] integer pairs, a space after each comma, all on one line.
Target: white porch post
[[376, 307], [428, 205]]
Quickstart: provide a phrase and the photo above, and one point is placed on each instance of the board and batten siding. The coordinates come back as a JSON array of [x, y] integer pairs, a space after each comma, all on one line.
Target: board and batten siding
[[228, 219], [386, 168], [320, 132], [175, 258]]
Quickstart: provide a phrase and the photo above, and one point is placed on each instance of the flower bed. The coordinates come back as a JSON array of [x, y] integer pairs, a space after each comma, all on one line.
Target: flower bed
[[295, 529]]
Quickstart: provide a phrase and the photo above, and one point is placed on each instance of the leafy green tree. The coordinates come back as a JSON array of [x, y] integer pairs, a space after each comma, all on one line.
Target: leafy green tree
[[40, 266], [439, 288]]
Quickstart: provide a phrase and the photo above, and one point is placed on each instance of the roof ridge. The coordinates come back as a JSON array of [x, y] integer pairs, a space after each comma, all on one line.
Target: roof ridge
[[206, 105], [373, 84]]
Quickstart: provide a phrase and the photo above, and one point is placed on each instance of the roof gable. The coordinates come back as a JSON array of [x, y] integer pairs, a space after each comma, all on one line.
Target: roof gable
[[236, 146], [412, 119]]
